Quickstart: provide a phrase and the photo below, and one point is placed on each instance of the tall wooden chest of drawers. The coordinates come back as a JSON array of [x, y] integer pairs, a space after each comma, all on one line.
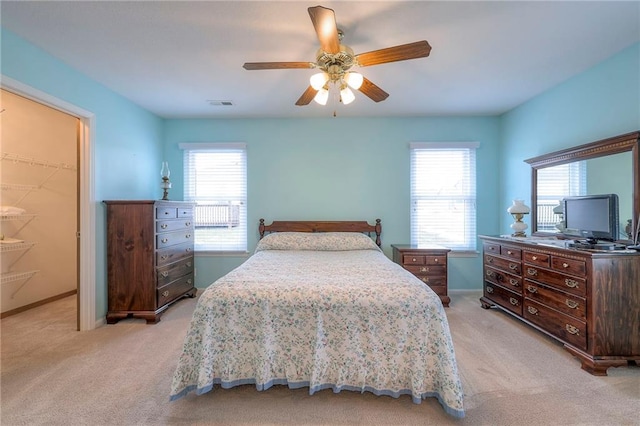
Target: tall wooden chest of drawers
[[428, 263], [150, 259], [588, 300]]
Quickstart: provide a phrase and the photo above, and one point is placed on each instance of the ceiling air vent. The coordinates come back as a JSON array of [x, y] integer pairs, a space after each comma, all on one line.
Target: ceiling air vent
[[220, 103]]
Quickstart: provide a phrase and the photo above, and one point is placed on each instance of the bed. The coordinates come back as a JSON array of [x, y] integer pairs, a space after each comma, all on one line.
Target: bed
[[319, 305]]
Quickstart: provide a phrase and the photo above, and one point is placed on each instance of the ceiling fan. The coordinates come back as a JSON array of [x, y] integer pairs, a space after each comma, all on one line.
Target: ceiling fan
[[335, 60]]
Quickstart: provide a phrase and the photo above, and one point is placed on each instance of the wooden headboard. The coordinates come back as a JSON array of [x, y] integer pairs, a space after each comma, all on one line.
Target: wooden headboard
[[321, 226]]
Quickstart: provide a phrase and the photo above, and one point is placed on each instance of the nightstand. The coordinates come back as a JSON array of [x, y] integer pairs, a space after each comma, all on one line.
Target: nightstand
[[428, 263]]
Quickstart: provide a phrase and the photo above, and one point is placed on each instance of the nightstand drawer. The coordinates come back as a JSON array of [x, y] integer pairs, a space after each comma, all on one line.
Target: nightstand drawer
[[433, 281], [427, 270], [412, 259]]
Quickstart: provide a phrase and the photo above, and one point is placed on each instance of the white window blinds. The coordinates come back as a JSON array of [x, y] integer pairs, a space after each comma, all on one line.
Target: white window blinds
[[215, 178], [443, 194]]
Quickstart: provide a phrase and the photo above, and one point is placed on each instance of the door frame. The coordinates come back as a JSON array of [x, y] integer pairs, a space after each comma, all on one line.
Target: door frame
[[86, 202]]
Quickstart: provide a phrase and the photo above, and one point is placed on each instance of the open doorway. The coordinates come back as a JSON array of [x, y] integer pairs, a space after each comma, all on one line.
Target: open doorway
[[86, 295]]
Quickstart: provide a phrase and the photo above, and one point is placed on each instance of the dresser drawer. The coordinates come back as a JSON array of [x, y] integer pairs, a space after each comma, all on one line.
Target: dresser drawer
[[185, 212], [495, 276], [511, 252], [175, 289], [574, 285], [560, 325], [491, 248], [170, 272], [166, 212], [173, 238], [569, 266], [504, 297], [173, 225], [539, 259], [504, 264], [440, 290], [567, 303], [173, 253]]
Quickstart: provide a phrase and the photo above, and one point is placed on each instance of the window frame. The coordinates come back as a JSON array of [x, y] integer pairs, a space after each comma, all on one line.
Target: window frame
[[467, 197], [232, 245]]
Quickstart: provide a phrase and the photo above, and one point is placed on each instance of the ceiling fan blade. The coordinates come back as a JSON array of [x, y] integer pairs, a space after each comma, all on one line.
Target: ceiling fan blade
[[372, 91], [418, 49], [324, 22], [276, 65], [307, 96]]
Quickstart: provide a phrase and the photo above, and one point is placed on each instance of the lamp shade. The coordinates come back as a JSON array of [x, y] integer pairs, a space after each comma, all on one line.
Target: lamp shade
[[347, 96], [322, 96], [518, 207], [318, 80], [354, 79]]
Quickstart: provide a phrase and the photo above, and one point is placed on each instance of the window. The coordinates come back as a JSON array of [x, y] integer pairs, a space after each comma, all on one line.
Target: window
[[215, 178], [443, 194], [555, 183]]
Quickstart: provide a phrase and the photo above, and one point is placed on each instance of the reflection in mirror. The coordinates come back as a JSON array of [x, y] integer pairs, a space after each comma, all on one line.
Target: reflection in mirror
[[607, 166], [611, 174]]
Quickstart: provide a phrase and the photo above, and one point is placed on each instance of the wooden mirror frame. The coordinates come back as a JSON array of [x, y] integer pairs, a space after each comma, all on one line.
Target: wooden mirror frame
[[601, 148]]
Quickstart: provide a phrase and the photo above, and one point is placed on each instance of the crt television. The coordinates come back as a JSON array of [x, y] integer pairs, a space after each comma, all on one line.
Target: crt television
[[591, 217]]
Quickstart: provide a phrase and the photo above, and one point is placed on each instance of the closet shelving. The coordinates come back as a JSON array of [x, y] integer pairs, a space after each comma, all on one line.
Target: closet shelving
[[11, 244]]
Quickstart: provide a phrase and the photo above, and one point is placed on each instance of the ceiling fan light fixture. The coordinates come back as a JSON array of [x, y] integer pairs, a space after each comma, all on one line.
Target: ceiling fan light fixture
[[354, 80], [346, 95], [322, 96], [318, 80]]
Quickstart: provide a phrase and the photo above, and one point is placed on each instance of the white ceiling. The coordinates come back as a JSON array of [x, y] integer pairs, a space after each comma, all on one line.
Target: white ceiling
[[172, 57]]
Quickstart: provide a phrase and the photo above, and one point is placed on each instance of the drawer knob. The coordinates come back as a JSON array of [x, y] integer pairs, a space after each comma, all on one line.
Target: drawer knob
[[188, 235], [165, 274], [188, 249], [490, 274], [187, 223], [513, 282], [164, 226], [534, 257], [509, 252], [489, 260], [489, 289], [565, 265], [164, 257], [189, 281], [572, 330], [425, 279], [414, 259], [571, 283], [532, 272], [532, 310], [165, 293], [513, 301], [436, 260], [513, 266], [164, 240], [571, 303], [532, 289], [188, 265]]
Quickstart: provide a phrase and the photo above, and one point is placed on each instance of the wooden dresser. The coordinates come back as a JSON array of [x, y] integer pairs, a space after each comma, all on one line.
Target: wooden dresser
[[150, 259], [428, 263], [588, 300]]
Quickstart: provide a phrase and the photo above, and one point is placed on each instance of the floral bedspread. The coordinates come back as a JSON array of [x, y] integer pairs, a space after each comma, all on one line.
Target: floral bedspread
[[338, 319]]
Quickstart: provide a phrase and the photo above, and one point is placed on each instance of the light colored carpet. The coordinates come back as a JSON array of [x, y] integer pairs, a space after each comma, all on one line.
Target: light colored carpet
[[120, 375]]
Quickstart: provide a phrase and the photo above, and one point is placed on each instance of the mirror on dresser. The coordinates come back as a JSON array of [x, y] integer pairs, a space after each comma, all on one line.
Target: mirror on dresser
[[606, 166]]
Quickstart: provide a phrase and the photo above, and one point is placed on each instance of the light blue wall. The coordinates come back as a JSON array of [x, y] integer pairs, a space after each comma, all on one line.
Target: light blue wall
[[603, 101], [335, 168], [127, 140], [339, 169]]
